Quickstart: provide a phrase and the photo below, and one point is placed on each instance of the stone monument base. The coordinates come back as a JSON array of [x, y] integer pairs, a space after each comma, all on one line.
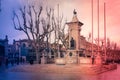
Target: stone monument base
[[71, 57]]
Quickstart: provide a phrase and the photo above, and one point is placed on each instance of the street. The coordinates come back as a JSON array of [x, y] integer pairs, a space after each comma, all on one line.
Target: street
[[8, 74]]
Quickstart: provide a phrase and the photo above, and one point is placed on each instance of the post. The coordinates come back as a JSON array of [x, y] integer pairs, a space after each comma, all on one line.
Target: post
[[92, 23], [98, 58], [58, 33], [98, 24], [105, 30]]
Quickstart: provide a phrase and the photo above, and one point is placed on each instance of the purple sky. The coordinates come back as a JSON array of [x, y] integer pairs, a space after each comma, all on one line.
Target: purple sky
[[6, 25], [66, 8]]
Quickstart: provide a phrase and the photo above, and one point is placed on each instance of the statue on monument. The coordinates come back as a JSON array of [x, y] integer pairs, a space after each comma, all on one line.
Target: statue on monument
[[72, 43], [74, 12]]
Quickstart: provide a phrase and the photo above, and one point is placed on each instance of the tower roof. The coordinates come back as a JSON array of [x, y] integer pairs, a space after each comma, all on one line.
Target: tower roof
[[75, 19]]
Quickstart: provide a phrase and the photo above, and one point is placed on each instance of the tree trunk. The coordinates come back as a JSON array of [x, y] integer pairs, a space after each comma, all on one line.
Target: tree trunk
[[37, 55]]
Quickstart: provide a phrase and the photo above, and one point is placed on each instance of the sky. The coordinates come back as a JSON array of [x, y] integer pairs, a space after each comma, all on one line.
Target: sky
[[83, 8]]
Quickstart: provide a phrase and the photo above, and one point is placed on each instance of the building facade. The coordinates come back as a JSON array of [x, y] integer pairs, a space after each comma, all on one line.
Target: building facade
[[3, 49], [23, 48]]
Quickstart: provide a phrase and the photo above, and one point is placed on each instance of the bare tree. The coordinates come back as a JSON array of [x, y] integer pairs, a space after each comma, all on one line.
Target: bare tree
[[48, 26], [59, 31], [63, 37], [33, 25]]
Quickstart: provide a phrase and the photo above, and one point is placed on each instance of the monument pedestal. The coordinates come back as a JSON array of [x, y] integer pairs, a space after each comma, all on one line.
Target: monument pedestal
[[72, 57]]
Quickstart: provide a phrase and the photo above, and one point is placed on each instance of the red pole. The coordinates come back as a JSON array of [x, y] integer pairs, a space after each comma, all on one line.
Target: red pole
[[105, 30], [92, 23], [98, 24]]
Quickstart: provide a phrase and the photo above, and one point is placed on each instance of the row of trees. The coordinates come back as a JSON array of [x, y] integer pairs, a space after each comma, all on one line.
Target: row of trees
[[38, 25]]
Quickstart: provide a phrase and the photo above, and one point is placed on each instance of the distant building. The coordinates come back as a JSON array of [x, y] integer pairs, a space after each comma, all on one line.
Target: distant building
[[25, 49], [4, 42], [3, 49], [2, 54], [11, 51], [22, 48]]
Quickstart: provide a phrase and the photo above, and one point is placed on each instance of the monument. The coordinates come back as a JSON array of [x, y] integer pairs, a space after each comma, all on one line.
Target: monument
[[74, 40]]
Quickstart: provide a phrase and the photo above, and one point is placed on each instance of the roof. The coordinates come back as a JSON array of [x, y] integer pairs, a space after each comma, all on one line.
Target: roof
[[3, 40], [75, 19], [23, 40]]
